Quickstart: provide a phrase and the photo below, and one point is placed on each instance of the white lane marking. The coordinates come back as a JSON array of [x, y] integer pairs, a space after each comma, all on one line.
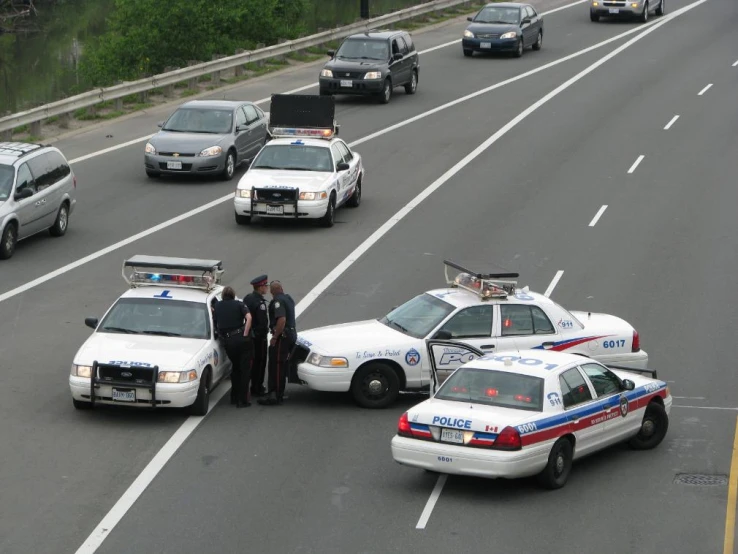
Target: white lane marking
[[151, 470], [312, 85], [673, 120], [704, 90], [554, 282], [192, 422], [428, 510], [597, 216], [690, 397], [735, 64], [636, 163], [704, 407]]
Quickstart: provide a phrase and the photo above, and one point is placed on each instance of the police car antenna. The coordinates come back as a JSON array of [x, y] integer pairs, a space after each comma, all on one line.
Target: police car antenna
[[486, 285], [179, 272]]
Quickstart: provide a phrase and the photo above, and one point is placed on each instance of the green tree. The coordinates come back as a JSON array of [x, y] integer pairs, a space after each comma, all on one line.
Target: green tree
[[146, 36]]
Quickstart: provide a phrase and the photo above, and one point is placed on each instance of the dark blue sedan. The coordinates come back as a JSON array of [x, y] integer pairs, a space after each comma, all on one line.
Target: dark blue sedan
[[504, 27]]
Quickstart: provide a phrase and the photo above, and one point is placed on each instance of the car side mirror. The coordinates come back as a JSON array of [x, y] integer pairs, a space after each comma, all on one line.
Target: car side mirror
[[470, 19], [331, 53], [91, 322], [628, 384], [240, 128], [23, 193], [160, 124], [443, 335], [342, 166], [396, 57], [526, 20]]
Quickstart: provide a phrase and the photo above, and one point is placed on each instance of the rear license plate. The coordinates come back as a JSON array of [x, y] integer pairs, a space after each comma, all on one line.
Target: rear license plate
[[614, 10], [174, 165], [124, 395], [452, 435], [275, 210], [347, 84], [486, 45]]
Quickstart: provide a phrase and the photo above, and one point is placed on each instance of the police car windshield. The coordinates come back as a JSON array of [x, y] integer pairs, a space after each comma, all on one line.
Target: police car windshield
[[419, 316], [493, 388], [151, 316], [200, 120], [360, 49], [294, 157], [6, 181]]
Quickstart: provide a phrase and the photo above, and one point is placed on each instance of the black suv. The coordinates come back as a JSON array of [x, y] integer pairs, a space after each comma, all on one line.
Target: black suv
[[372, 63]]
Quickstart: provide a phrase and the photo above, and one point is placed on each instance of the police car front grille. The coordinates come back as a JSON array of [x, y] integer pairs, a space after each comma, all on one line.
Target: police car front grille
[[123, 374], [488, 35], [275, 196]]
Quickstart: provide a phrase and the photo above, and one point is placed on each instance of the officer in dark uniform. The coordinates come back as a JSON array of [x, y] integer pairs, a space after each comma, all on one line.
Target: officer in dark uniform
[[257, 305], [233, 322], [284, 336]]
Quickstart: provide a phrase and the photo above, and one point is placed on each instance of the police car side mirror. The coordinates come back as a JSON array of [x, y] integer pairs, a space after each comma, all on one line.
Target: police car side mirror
[[91, 322], [342, 166], [443, 335], [628, 384]]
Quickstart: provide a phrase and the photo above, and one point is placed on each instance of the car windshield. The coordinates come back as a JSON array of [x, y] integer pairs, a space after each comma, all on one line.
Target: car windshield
[[151, 316], [6, 181], [510, 16], [200, 120], [493, 388], [294, 157], [361, 49], [419, 316]]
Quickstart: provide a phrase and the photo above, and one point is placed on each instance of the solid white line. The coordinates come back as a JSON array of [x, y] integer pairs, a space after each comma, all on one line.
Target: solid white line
[[554, 282], [689, 397], [704, 407], [673, 120], [597, 216], [704, 90], [636, 163], [735, 64], [425, 516]]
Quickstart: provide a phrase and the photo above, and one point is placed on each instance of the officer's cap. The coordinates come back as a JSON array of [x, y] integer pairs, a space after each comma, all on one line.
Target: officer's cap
[[260, 281]]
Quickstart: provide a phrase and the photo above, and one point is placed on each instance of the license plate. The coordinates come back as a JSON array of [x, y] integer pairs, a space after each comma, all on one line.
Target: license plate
[[452, 435], [124, 395], [174, 165], [486, 45], [275, 210], [347, 84], [614, 10]]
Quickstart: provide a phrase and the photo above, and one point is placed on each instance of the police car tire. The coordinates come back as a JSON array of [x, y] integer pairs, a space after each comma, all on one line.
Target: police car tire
[[355, 199], [330, 212], [386, 375], [655, 415], [81, 404], [561, 452], [200, 406], [8, 240]]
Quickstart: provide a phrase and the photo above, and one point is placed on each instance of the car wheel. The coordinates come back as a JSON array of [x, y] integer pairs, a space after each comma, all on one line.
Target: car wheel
[[520, 48], [230, 167], [243, 219], [375, 386], [661, 10], [386, 94], [81, 405], [62, 221], [468, 53], [594, 17], [653, 429], [558, 468], [152, 174], [644, 15], [200, 406], [329, 218], [355, 199], [539, 41], [412, 86], [8, 241]]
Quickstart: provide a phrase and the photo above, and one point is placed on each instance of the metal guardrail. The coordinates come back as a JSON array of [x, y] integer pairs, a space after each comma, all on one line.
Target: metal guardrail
[[35, 116]]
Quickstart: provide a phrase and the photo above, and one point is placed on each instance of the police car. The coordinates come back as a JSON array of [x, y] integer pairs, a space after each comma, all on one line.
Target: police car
[[529, 413], [376, 359], [305, 171], [155, 347]]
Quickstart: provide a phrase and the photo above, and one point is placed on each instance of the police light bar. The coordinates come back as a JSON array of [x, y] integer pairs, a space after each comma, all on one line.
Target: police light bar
[[307, 133], [210, 272], [303, 115], [486, 285]]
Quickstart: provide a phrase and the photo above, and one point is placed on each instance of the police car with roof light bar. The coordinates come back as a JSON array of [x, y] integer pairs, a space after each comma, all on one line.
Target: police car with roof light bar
[[305, 171], [525, 414], [156, 346], [377, 358]]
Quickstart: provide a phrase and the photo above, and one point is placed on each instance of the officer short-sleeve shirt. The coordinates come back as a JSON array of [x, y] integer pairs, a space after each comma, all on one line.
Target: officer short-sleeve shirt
[[257, 305], [230, 314], [282, 306]]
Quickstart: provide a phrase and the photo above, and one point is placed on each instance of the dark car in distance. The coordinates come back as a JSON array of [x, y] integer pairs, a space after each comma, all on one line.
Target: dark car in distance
[[503, 27], [373, 63]]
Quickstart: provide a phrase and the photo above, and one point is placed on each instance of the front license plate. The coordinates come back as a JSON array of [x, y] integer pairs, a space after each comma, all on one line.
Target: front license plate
[[452, 435], [124, 395], [347, 84], [614, 10], [174, 165], [275, 210], [486, 45]]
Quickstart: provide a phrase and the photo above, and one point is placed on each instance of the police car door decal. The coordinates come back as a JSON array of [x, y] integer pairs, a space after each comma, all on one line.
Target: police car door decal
[[446, 356]]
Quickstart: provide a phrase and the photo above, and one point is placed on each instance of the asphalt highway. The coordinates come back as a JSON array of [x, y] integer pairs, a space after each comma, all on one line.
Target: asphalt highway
[[316, 475]]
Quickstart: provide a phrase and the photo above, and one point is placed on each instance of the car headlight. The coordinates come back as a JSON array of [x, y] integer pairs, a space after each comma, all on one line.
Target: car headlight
[[511, 34], [177, 376], [326, 361], [212, 151], [150, 148], [81, 371], [468, 34], [326, 73], [373, 75], [313, 195], [243, 193]]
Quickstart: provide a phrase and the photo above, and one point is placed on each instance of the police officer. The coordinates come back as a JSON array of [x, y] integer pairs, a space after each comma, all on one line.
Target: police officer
[[257, 305], [233, 321], [284, 336]]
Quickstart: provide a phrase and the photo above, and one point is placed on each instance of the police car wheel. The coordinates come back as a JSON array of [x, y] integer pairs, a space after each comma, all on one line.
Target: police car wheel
[[81, 405], [8, 241], [375, 386], [200, 406], [355, 199], [329, 218], [653, 428], [557, 470]]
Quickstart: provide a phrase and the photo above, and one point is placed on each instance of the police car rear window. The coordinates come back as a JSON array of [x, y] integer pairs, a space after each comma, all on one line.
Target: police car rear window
[[150, 316], [494, 388], [6, 181]]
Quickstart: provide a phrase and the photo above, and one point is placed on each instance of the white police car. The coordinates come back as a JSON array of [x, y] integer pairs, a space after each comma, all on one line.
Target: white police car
[[155, 347], [377, 358], [305, 171], [530, 413]]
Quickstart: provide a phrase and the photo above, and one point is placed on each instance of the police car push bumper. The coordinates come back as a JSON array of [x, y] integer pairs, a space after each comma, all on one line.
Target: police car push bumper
[[171, 395], [312, 209]]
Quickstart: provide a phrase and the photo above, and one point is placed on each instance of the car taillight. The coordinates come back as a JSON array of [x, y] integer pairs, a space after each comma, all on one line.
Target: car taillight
[[403, 426], [508, 439], [636, 341]]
